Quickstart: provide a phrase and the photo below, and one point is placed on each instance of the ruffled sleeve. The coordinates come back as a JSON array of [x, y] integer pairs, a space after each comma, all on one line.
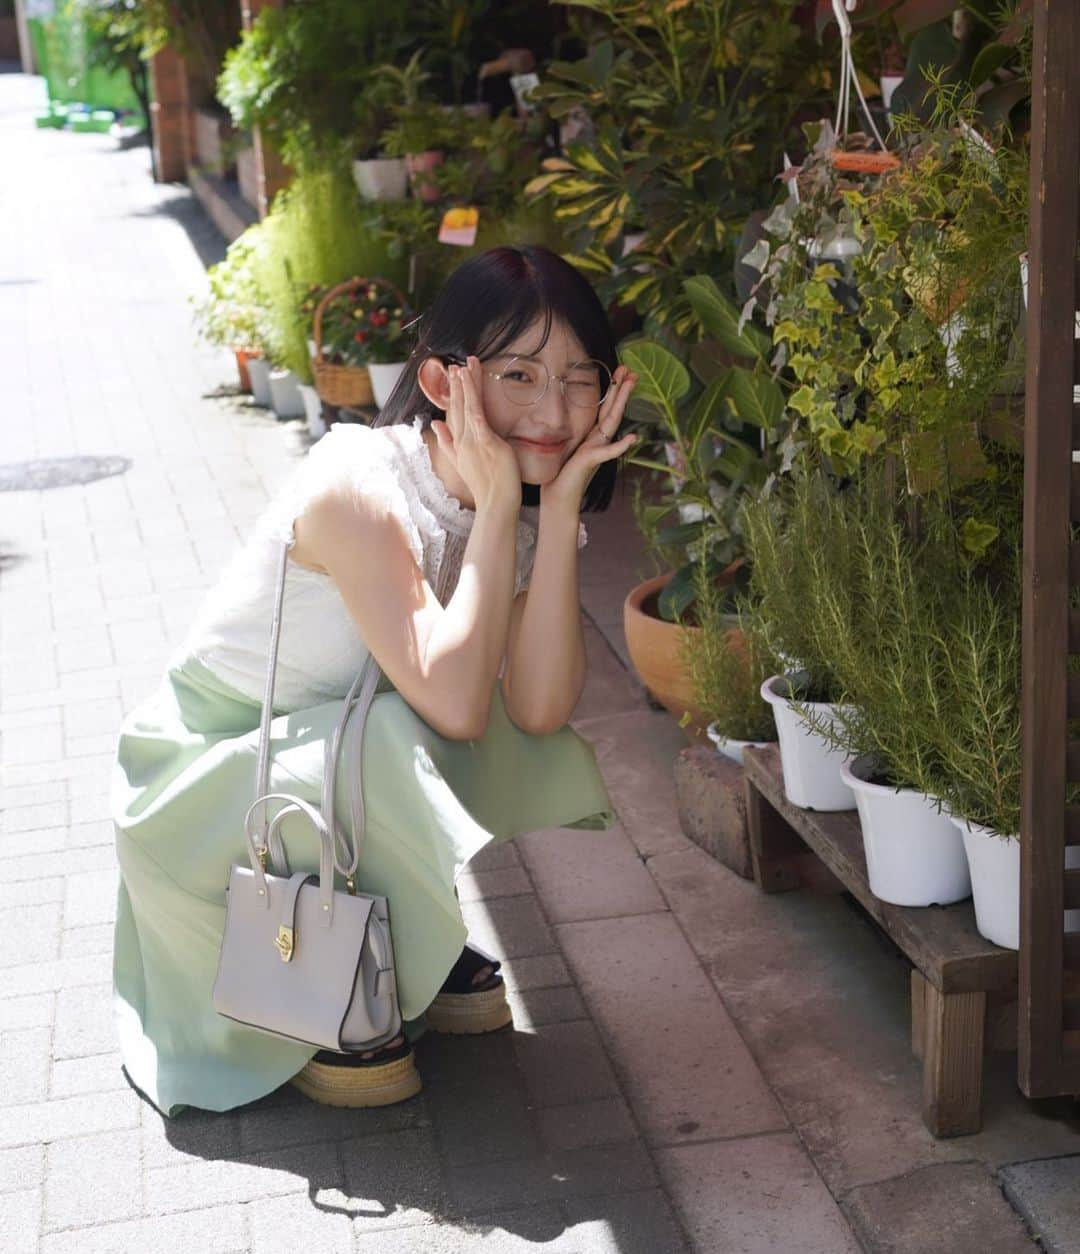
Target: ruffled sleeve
[[349, 456]]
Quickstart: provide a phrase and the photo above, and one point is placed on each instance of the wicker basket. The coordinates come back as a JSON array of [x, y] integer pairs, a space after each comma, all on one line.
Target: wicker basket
[[337, 384]]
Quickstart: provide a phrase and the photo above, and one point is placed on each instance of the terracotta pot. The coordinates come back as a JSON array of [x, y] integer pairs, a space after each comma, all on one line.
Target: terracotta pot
[[243, 356], [653, 644]]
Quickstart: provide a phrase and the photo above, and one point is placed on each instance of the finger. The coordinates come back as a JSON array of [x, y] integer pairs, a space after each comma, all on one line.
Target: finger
[[474, 405], [611, 412], [455, 419]]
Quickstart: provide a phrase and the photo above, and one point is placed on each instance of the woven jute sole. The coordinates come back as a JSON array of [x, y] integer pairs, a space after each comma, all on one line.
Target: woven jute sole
[[468, 1014], [359, 1086]]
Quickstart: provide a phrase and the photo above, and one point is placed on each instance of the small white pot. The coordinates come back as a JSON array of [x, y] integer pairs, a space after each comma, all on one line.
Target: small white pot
[[285, 399], [914, 854], [382, 178], [733, 749], [994, 862], [812, 777], [259, 374], [312, 410], [384, 377]]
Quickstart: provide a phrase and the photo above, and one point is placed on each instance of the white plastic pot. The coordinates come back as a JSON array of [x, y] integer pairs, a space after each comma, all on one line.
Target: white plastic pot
[[259, 374], [313, 410], [914, 854], [994, 862], [888, 84], [384, 377], [732, 749], [285, 399], [812, 777], [382, 178]]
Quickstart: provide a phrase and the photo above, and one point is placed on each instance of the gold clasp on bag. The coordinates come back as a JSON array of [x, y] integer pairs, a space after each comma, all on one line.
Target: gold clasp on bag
[[284, 942]]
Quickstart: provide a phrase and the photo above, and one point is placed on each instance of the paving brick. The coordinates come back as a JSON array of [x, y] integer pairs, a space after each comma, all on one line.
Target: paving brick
[[42, 977], [288, 1118], [564, 1062], [93, 1179], [497, 856], [1047, 1195], [192, 1136], [757, 1195], [36, 1122], [487, 1121], [82, 942], [21, 1168], [29, 818], [90, 835], [952, 1206], [393, 1181], [285, 1225], [539, 1006], [301, 1169], [84, 718], [621, 1168], [213, 1230], [20, 1216], [528, 1230], [24, 1064], [84, 1023], [632, 1223], [33, 934], [28, 844], [588, 875], [91, 898], [539, 971], [99, 1073], [69, 862], [27, 1012], [577, 1126], [510, 928], [652, 1001], [486, 885]]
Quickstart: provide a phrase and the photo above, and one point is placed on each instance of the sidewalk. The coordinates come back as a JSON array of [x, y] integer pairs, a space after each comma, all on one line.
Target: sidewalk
[[694, 1066]]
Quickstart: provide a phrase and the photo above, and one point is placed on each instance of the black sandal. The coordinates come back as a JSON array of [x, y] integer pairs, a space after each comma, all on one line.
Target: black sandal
[[465, 1008]]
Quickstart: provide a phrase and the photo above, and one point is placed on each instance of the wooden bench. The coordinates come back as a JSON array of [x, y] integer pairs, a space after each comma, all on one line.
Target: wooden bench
[[963, 988]]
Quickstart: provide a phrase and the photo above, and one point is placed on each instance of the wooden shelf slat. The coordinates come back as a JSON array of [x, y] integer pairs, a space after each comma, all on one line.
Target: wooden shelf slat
[[1072, 890], [1074, 479], [1074, 631], [1074, 563], [1071, 950], [1073, 699], [1072, 760], [942, 941]]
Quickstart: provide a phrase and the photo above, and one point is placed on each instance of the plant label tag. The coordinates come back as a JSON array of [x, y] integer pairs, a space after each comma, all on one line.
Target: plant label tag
[[459, 227]]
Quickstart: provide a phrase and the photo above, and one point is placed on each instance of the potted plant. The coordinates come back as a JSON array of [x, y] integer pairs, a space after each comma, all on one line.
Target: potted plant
[[421, 134], [379, 175], [233, 313], [727, 666]]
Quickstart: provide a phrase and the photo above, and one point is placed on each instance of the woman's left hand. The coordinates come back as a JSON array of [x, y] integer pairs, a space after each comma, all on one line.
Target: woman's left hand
[[567, 490]]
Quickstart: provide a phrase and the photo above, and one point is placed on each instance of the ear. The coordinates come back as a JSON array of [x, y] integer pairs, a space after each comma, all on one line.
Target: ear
[[434, 382]]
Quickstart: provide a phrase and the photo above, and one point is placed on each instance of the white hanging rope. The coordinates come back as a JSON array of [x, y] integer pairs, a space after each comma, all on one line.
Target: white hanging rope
[[841, 8]]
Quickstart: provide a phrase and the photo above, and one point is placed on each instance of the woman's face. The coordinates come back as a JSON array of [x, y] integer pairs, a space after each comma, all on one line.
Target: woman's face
[[543, 433]]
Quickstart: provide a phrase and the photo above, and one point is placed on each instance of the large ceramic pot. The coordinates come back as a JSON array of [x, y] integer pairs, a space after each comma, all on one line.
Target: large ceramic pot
[[285, 398], [654, 649], [914, 854]]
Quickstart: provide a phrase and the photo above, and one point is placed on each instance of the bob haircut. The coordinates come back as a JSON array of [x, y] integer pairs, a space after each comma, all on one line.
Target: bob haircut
[[483, 307]]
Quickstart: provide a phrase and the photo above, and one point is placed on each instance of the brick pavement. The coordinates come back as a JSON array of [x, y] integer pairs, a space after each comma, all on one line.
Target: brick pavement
[[693, 1066]]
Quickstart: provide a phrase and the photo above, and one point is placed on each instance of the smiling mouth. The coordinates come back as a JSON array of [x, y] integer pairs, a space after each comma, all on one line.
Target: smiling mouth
[[542, 446]]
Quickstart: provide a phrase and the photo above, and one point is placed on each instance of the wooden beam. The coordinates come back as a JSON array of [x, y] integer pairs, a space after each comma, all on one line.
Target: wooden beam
[[1049, 477], [1071, 890], [1074, 579]]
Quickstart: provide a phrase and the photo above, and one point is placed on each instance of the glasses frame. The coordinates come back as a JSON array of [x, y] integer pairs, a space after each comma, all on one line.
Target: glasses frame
[[562, 379]]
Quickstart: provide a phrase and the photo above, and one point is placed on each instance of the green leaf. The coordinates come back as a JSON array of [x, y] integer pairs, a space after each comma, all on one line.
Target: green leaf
[[707, 409], [662, 378], [756, 397], [678, 594], [990, 59], [720, 317]]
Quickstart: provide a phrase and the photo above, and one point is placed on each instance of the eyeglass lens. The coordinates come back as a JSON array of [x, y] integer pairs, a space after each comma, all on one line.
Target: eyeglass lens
[[524, 381]]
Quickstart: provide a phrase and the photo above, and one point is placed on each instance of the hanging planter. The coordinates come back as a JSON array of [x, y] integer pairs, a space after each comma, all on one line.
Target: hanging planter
[[914, 853], [812, 778]]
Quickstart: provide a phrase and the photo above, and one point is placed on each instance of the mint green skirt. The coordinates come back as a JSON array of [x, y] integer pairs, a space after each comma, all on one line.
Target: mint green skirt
[[183, 779]]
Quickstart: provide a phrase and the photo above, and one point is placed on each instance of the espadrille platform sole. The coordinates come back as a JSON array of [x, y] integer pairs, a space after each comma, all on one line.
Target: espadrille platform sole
[[468, 1014], [383, 1085]]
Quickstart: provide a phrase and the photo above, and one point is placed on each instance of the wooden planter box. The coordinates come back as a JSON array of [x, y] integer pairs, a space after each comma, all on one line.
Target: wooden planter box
[[213, 133]]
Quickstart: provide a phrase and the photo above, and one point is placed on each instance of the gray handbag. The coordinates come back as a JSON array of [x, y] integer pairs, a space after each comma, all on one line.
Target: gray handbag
[[300, 959]]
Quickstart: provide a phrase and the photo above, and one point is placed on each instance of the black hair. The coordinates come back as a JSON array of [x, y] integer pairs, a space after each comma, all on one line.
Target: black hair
[[483, 307]]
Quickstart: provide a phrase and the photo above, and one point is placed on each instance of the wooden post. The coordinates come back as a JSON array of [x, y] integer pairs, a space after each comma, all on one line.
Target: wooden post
[[773, 845], [1050, 503], [952, 1061], [272, 173]]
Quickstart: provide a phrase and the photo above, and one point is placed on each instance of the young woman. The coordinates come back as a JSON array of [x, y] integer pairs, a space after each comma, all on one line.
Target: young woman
[[444, 541]]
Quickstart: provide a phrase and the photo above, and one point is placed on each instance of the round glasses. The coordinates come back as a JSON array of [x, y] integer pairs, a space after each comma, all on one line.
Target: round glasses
[[525, 381]]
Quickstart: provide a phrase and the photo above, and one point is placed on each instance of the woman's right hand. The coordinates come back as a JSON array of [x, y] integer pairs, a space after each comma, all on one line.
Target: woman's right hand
[[484, 460]]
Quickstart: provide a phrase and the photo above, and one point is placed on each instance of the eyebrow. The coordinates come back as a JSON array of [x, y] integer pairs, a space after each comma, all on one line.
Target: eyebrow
[[532, 357]]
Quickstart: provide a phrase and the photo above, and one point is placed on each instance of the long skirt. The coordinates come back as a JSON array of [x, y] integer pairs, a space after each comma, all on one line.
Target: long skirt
[[183, 779]]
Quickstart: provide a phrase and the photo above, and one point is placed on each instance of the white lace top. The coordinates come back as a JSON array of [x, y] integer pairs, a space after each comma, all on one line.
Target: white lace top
[[320, 650]]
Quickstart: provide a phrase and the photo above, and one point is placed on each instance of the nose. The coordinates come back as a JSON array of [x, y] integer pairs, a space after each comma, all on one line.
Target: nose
[[552, 411]]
